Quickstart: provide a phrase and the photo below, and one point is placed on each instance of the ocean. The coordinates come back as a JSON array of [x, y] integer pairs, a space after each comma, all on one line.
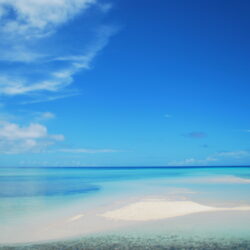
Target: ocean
[[33, 198]]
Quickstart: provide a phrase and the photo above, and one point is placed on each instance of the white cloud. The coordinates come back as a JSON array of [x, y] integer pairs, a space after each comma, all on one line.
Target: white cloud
[[12, 131], [43, 116], [57, 80], [234, 154], [217, 157], [47, 98], [16, 139], [88, 151], [193, 161], [11, 86], [47, 115], [79, 62], [26, 22], [20, 54], [37, 18], [39, 69]]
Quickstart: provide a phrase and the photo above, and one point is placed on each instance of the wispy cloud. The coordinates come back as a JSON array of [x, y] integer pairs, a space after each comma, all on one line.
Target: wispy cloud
[[38, 18], [43, 116], [88, 151], [50, 98], [193, 161], [16, 139], [42, 48], [216, 157], [25, 23], [20, 54], [29, 24], [56, 80], [196, 134], [234, 154], [5, 116]]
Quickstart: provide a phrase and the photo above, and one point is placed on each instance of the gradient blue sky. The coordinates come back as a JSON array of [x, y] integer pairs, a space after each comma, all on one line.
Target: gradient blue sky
[[124, 83]]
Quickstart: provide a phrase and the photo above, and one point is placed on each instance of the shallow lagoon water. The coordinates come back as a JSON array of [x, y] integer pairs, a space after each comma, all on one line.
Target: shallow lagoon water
[[34, 194]]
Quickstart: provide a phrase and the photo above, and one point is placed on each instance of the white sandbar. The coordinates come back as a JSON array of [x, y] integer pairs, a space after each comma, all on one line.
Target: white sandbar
[[156, 209]]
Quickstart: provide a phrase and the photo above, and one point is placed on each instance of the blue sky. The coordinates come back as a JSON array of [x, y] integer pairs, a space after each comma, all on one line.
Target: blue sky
[[124, 83]]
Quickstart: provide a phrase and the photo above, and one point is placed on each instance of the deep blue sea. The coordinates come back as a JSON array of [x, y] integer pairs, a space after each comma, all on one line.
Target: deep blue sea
[[37, 192]]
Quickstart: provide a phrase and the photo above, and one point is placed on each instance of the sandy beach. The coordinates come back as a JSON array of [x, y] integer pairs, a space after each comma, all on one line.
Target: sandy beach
[[84, 203], [119, 215]]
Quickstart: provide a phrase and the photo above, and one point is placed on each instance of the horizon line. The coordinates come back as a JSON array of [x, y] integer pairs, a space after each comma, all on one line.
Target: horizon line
[[132, 167]]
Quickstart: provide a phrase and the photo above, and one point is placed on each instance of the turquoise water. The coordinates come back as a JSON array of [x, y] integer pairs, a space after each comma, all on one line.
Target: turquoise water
[[27, 193], [30, 190]]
